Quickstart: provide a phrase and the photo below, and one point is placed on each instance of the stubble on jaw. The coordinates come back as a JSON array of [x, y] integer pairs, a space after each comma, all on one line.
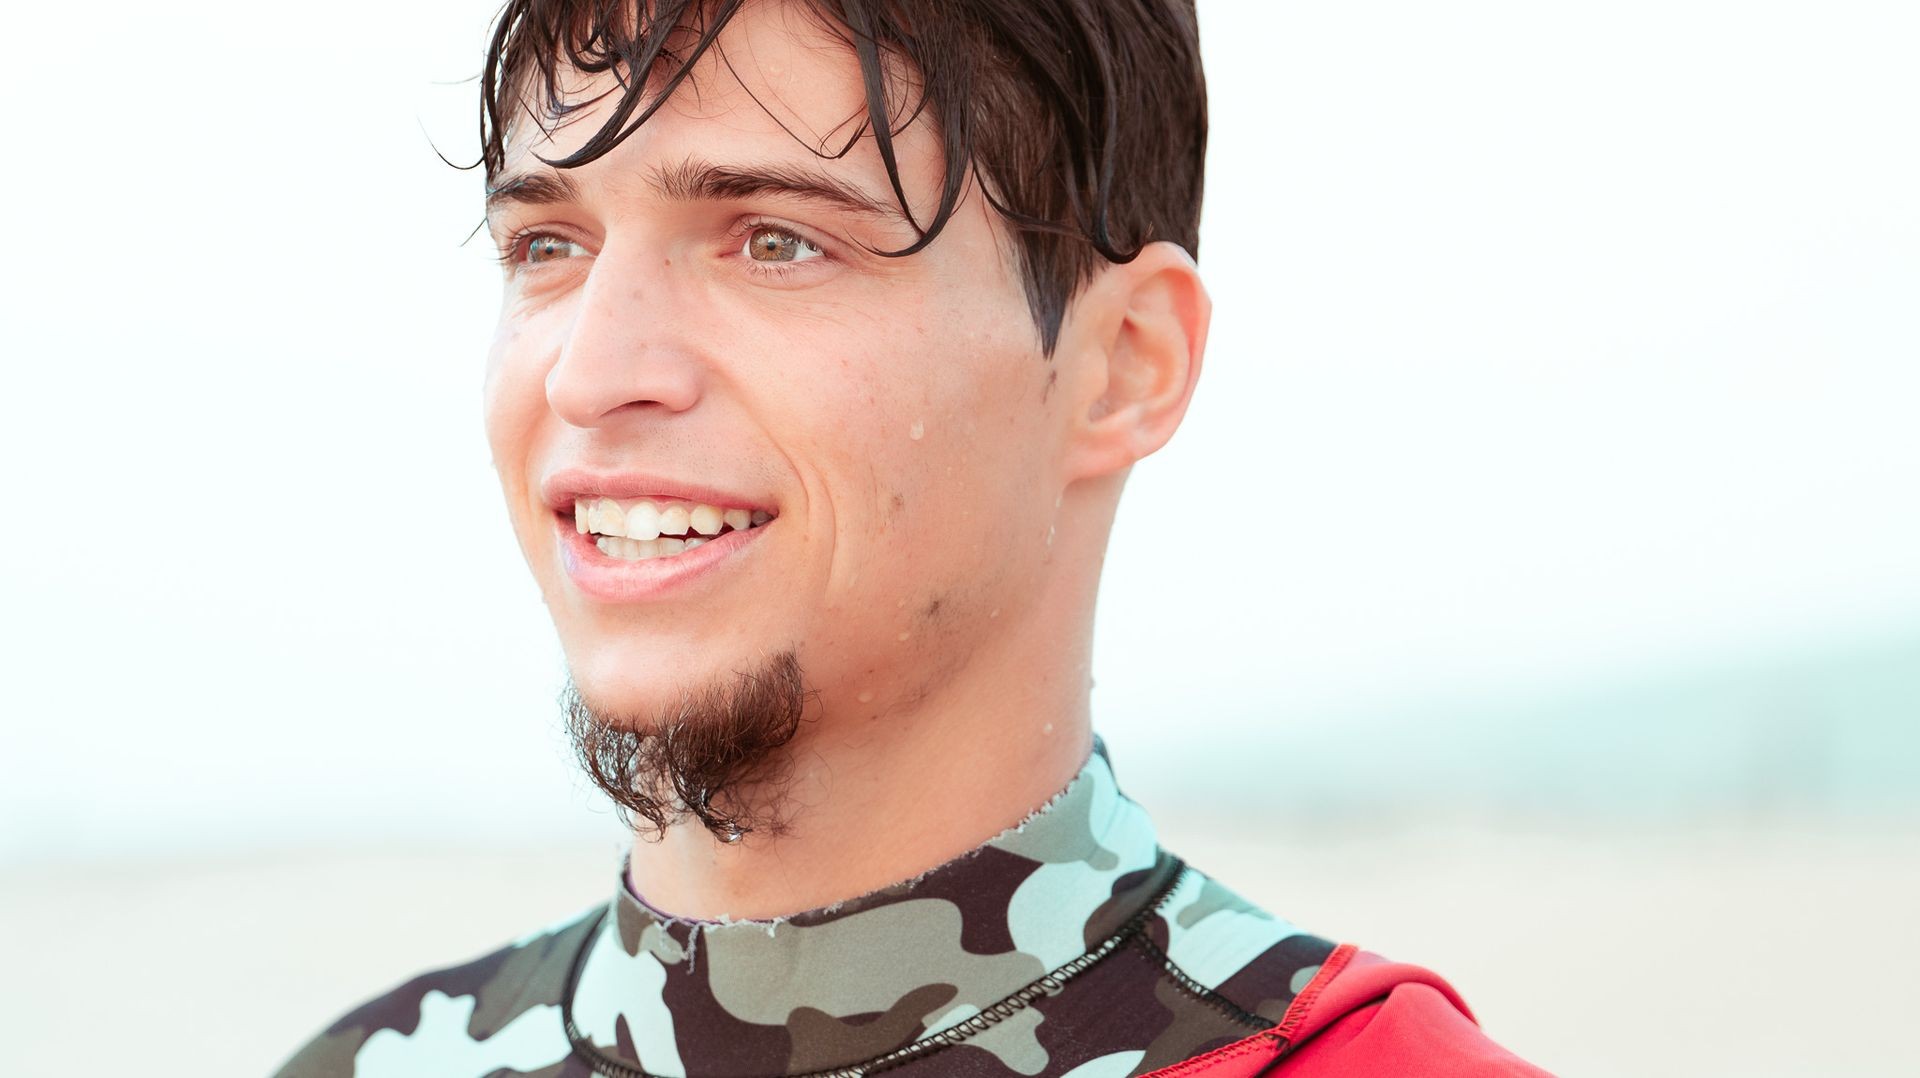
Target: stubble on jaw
[[718, 757]]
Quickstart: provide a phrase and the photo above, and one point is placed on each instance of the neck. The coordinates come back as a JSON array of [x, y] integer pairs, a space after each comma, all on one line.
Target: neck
[[868, 811], [872, 802]]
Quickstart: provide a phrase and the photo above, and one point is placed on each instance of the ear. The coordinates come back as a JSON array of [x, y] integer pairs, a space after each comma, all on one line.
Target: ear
[[1136, 333]]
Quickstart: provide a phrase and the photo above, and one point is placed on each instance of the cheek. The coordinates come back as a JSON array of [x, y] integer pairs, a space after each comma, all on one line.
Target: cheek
[[513, 384], [952, 459], [513, 399], [950, 534]]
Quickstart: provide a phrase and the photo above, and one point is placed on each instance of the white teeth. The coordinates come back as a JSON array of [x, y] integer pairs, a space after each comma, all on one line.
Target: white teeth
[[643, 521], [625, 549], [646, 520], [606, 517]]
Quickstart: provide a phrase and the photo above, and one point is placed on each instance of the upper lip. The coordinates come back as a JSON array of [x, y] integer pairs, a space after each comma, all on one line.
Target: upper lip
[[561, 488]]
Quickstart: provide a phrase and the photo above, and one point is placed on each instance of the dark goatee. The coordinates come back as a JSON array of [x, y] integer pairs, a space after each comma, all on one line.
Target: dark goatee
[[719, 757]]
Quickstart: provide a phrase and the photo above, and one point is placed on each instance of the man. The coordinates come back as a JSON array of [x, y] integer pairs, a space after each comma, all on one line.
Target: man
[[830, 334]]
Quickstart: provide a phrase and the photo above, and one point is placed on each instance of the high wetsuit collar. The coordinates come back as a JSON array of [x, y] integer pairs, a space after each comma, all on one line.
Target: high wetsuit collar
[[848, 984]]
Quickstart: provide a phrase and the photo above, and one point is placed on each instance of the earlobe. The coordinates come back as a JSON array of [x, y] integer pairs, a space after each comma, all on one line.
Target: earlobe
[[1143, 329]]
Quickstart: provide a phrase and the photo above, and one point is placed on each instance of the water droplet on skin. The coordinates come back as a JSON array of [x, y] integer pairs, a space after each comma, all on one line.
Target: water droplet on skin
[[994, 613], [916, 430], [904, 636]]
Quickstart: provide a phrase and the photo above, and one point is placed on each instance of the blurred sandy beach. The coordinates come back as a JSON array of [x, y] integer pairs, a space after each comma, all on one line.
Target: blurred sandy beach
[[1732, 950]]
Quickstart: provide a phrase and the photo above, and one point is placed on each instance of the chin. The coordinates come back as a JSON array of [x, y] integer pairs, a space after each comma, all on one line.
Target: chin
[[645, 677], [631, 680]]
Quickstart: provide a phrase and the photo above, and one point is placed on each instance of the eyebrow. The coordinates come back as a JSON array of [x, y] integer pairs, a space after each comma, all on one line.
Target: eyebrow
[[531, 189], [694, 180]]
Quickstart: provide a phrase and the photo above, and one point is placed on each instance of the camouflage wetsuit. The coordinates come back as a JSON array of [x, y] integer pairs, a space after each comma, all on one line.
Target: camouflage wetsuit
[[1070, 945]]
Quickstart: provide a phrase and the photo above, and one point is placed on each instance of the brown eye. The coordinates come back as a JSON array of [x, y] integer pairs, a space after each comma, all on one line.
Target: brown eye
[[768, 244], [547, 248]]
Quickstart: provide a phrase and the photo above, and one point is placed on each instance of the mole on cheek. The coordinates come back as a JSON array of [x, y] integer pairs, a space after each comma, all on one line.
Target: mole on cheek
[[933, 609]]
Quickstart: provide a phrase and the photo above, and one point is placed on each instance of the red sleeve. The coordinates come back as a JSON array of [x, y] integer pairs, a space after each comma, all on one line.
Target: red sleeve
[[1362, 1016], [1414, 1031]]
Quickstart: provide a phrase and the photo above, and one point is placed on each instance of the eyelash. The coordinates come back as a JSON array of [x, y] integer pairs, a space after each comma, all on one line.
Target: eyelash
[[514, 256], [776, 270]]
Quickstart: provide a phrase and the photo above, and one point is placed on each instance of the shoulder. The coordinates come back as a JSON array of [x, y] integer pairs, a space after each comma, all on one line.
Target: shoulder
[[506, 1001], [1330, 1009], [1366, 1014], [1233, 950]]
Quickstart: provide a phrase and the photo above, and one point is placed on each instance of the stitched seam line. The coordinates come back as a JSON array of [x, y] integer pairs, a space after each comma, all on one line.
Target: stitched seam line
[[1198, 991], [1297, 1010], [1270, 1037], [1287, 1049]]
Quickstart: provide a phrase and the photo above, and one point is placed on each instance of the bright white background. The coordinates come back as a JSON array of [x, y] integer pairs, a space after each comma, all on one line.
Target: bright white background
[[1559, 421]]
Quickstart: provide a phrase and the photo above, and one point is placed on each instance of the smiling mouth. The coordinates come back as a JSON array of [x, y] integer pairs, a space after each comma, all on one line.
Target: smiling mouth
[[639, 529]]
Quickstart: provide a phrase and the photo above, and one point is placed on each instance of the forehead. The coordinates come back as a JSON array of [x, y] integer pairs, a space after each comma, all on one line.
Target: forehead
[[780, 81]]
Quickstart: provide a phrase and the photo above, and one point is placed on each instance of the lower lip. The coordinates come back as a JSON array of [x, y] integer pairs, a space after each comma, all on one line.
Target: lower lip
[[616, 580]]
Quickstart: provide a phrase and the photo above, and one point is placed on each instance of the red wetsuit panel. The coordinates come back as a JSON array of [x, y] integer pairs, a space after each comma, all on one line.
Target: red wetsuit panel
[[1365, 1017]]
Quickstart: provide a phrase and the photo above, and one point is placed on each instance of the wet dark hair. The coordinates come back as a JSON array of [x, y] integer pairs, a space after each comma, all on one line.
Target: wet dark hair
[[1086, 118]]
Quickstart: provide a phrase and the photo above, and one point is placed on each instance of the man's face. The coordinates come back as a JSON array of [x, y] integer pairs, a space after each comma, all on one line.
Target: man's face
[[670, 335]]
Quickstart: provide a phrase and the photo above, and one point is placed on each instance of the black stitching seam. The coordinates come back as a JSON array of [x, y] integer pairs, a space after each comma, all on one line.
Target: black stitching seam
[[1200, 992], [1287, 1047], [1049, 985]]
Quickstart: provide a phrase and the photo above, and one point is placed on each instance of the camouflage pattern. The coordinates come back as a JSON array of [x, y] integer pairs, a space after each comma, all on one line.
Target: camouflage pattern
[[1083, 949]]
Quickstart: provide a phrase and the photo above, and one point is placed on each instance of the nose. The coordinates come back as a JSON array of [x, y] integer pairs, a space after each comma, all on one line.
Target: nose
[[625, 353]]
